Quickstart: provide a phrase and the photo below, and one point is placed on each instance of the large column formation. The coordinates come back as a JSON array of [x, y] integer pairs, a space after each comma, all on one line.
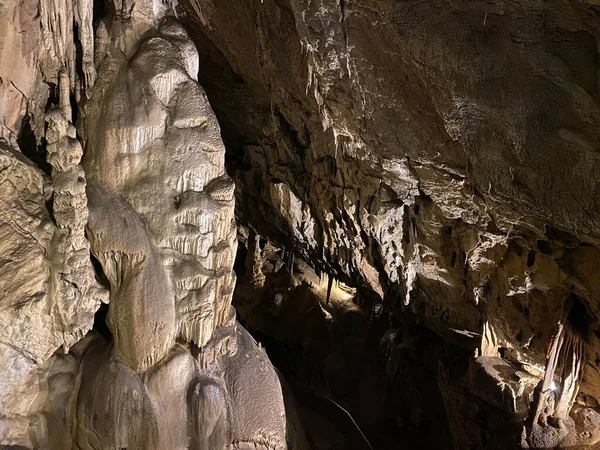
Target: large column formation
[[73, 275], [140, 185], [48, 289], [178, 371], [167, 163]]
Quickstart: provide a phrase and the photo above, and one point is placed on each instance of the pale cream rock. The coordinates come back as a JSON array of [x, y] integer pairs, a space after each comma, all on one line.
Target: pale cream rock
[[49, 291], [162, 226]]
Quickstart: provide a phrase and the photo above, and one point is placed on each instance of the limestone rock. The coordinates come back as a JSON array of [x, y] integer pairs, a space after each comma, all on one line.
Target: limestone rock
[[167, 164], [415, 182], [162, 227], [440, 157], [49, 292]]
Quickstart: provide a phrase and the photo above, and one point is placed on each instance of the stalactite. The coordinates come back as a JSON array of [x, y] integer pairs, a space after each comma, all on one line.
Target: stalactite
[[84, 14], [489, 340], [74, 276], [411, 187], [330, 279], [57, 29]]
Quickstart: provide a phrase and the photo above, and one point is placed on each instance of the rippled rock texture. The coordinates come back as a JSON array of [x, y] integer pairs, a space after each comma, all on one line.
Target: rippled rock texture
[[442, 158], [416, 188], [145, 223]]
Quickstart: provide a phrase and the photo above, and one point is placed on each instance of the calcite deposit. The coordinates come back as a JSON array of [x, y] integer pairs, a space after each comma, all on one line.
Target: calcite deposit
[[152, 206], [412, 187]]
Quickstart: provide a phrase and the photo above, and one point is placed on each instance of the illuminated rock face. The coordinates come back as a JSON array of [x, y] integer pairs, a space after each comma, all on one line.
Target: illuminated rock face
[[153, 140], [154, 206], [162, 226], [441, 157], [438, 159]]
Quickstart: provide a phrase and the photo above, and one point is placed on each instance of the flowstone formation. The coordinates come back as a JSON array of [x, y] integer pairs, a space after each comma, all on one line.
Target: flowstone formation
[[162, 227], [152, 203]]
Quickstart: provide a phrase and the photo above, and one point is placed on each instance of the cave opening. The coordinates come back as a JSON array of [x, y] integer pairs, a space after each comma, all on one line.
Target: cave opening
[[100, 316], [28, 144]]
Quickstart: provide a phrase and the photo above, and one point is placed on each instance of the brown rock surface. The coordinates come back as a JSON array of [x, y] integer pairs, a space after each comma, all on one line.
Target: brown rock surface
[[439, 156], [417, 188]]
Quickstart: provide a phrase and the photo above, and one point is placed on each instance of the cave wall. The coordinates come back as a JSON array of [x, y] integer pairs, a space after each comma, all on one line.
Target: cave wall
[[440, 156]]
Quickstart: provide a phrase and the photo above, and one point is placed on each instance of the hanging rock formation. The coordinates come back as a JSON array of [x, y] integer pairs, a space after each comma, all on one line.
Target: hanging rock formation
[[415, 186]]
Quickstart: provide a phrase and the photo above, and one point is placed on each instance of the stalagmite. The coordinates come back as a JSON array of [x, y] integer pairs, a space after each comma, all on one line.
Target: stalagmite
[[441, 159], [550, 423], [73, 273], [254, 259], [167, 248]]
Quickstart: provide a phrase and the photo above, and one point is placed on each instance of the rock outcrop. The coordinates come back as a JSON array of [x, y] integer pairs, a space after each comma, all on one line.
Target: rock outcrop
[[145, 224], [415, 185]]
